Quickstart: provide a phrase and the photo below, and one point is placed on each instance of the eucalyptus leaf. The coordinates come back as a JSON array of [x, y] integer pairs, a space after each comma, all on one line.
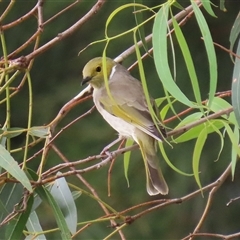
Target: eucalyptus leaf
[[40, 131], [236, 86], [33, 226], [160, 56], [63, 197], [197, 154], [11, 166], [46, 196], [15, 230], [126, 159]]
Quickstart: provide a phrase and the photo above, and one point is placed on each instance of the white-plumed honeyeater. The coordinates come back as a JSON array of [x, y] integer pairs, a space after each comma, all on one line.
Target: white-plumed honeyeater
[[126, 110]]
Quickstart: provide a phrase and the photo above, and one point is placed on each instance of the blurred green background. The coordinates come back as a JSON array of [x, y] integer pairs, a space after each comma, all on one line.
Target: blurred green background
[[56, 76]]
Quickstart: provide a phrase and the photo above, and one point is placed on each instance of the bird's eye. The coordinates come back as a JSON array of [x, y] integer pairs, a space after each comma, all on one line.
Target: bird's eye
[[98, 69]]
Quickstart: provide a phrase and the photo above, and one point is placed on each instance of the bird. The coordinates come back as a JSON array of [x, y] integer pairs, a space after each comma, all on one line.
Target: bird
[[123, 105]]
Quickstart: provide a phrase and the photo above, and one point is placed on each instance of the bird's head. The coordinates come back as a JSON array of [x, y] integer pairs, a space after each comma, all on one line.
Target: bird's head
[[93, 71]]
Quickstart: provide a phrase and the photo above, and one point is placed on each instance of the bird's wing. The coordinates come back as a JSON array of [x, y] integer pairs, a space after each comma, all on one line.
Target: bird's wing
[[127, 102]]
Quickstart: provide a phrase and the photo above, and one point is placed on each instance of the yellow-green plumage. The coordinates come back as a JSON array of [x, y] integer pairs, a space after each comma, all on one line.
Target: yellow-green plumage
[[126, 110]]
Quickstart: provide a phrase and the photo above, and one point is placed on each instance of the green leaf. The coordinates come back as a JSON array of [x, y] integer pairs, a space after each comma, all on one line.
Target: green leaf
[[169, 162], [139, 19], [15, 230], [11, 166], [197, 154], [126, 159], [219, 104], [210, 50], [207, 5], [189, 119], [10, 194], [47, 197], [164, 110], [234, 152], [40, 131], [188, 61], [160, 56], [33, 226], [222, 5], [216, 130], [63, 197], [236, 87], [76, 194], [234, 138], [12, 132], [178, 5], [234, 32], [194, 132]]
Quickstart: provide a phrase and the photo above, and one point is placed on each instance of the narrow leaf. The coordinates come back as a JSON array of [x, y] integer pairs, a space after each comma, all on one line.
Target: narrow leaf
[[219, 104], [10, 194], [193, 133], [47, 197], [210, 50], [236, 87], [234, 156], [40, 131], [197, 154], [234, 32], [234, 138], [15, 231], [160, 56], [33, 225], [207, 5], [11, 132], [11, 166], [169, 162], [188, 61], [222, 5], [63, 197], [126, 159]]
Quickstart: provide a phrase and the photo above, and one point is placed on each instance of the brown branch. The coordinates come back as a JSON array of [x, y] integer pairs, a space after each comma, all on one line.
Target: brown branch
[[200, 121], [220, 180], [23, 46], [225, 237], [178, 17], [40, 13], [60, 12], [167, 202], [67, 32], [4, 14], [118, 152], [226, 50], [218, 94], [88, 185], [21, 19], [88, 159]]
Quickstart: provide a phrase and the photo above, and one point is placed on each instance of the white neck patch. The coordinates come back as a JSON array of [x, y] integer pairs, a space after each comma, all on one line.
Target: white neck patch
[[112, 72]]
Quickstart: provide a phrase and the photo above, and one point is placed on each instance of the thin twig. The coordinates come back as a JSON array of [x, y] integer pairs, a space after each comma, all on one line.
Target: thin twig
[[88, 185], [60, 12], [220, 180], [92, 12], [21, 19]]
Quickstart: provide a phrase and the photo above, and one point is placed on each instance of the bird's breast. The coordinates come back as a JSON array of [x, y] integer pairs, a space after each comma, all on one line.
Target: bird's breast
[[122, 127]]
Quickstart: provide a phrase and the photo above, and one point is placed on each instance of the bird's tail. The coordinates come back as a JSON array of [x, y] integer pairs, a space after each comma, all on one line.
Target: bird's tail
[[155, 181]]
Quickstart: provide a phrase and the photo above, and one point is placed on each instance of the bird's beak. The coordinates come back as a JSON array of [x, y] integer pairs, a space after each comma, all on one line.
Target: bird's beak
[[85, 80]]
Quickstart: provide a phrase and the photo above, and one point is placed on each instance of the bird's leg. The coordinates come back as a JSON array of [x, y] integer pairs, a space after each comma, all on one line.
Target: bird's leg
[[106, 149]]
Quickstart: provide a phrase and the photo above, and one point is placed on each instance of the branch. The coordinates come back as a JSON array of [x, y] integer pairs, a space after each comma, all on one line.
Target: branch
[[200, 121], [177, 17], [220, 180], [67, 32], [118, 152]]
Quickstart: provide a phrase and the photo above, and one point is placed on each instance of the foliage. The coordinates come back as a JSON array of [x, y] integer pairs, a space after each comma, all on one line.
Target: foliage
[[43, 194]]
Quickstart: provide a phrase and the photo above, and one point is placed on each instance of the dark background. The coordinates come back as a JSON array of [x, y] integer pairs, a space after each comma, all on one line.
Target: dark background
[[56, 76]]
